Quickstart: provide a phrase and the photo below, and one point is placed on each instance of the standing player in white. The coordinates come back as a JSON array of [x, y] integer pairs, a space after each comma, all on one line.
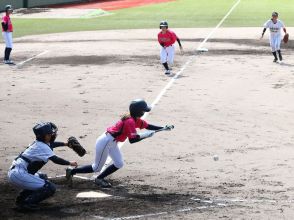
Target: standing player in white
[[23, 173], [275, 25], [7, 30]]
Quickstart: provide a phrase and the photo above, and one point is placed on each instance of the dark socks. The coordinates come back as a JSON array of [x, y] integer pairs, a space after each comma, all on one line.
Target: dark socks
[[109, 170], [165, 66], [275, 55], [280, 55], [83, 169], [7, 53]]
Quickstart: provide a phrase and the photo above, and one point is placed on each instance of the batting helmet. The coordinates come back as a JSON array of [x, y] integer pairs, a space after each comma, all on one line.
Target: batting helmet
[[275, 14], [138, 107], [43, 128], [8, 8], [163, 24]]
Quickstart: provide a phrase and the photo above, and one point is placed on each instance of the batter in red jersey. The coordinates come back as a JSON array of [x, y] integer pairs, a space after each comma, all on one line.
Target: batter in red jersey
[[166, 39], [106, 144], [7, 30]]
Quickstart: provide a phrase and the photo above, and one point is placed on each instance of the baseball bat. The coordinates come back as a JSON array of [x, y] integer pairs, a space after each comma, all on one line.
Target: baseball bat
[[165, 128]]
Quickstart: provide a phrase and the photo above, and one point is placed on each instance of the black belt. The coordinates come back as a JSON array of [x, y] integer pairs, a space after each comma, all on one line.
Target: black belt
[[22, 157]]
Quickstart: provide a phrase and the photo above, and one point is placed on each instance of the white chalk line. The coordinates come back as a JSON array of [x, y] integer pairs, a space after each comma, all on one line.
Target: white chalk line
[[189, 209], [213, 203], [33, 57], [219, 24]]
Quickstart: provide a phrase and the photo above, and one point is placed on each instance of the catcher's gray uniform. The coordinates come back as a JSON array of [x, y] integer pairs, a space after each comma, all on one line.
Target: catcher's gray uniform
[[19, 174]]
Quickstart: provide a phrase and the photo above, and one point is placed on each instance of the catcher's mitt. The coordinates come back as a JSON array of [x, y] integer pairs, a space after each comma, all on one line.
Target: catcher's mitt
[[74, 144], [286, 38]]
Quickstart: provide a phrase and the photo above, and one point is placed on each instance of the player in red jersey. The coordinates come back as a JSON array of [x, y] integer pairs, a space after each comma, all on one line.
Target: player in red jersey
[[7, 30], [166, 39], [106, 144]]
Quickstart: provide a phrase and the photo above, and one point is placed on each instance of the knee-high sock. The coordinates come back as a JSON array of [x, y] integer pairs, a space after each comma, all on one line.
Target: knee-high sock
[[83, 169], [8, 53], [280, 55], [165, 66], [109, 170], [275, 55]]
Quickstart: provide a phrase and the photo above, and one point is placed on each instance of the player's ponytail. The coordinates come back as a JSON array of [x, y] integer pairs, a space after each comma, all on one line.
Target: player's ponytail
[[125, 116]]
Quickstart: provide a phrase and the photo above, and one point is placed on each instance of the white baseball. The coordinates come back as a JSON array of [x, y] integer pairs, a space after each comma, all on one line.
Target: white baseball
[[215, 157]]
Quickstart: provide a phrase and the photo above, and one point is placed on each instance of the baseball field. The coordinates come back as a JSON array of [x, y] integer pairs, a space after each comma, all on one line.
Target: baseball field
[[231, 101]]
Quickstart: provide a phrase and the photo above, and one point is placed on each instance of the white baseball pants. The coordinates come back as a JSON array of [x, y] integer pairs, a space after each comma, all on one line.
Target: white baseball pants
[[275, 42], [167, 54], [107, 146], [7, 36]]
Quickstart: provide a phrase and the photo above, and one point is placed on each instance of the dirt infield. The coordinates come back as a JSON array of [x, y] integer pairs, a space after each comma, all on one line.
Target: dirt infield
[[232, 101], [109, 5]]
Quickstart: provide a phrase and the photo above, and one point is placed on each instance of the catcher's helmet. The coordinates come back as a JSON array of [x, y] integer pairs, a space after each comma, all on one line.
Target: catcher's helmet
[[275, 14], [138, 107], [163, 24], [8, 8], [43, 128]]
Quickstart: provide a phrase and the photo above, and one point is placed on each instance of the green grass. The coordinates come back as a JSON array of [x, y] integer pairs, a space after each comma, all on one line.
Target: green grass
[[254, 13], [181, 13]]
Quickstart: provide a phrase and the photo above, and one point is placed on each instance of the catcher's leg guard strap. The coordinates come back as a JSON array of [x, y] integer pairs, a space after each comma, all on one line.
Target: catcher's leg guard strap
[[41, 194], [23, 195]]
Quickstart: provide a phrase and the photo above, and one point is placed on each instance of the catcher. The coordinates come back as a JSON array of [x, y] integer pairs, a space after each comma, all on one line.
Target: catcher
[[275, 25], [23, 172], [106, 144]]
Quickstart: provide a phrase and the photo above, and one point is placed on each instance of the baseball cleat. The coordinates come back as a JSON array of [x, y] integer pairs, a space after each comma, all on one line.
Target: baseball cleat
[[102, 183], [9, 62], [167, 72]]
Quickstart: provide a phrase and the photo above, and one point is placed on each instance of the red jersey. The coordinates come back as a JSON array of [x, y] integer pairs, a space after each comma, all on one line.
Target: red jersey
[[6, 20], [124, 129], [167, 39]]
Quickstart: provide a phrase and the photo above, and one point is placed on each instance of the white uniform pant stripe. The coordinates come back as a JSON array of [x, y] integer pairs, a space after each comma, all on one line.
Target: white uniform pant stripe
[[105, 145]]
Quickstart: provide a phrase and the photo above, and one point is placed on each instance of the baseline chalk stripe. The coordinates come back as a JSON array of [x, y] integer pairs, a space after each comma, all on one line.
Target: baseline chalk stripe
[[218, 25], [184, 67], [33, 57]]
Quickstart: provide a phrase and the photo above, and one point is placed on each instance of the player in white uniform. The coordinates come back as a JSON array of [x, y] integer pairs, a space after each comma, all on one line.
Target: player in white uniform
[[275, 25], [23, 172]]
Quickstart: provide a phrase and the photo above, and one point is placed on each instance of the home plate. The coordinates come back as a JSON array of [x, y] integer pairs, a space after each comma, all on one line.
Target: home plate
[[92, 194]]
